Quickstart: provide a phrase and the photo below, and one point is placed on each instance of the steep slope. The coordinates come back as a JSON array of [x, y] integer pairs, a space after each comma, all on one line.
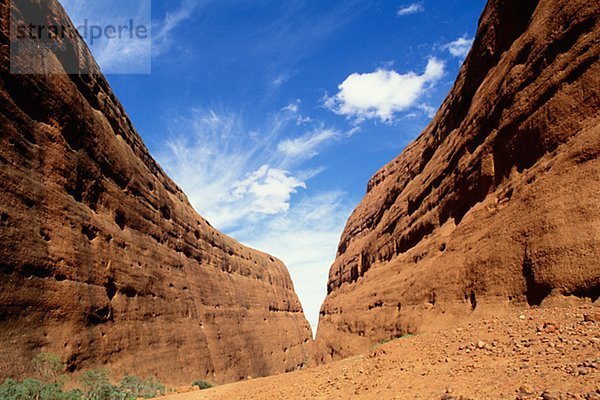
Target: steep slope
[[102, 258], [497, 201]]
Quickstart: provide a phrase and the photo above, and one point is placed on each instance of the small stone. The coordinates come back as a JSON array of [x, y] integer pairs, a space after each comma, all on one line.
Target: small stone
[[592, 396], [526, 389], [582, 371], [481, 344], [521, 317], [551, 395], [590, 318]]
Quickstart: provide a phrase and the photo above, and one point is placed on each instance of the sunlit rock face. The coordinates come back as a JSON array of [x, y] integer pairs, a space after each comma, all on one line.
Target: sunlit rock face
[[498, 200], [103, 261]]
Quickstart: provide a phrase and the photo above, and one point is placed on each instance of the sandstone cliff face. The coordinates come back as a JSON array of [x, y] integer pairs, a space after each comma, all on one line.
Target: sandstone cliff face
[[103, 260], [497, 201]]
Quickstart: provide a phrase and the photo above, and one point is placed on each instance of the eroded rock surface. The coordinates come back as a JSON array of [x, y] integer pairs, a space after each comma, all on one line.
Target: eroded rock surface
[[102, 258], [498, 200]]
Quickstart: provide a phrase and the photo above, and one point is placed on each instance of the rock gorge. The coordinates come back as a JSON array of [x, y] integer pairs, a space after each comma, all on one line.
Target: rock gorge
[[497, 202], [103, 260]]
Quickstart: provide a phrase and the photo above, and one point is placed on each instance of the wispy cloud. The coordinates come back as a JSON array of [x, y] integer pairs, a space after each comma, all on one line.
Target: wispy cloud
[[213, 153], [305, 146], [280, 79], [460, 47], [411, 9], [381, 94], [124, 56], [308, 145], [162, 29], [300, 118], [427, 109]]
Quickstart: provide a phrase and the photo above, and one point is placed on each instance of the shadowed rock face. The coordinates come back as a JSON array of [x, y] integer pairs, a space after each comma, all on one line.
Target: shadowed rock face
[[103, 260], [497, 201]]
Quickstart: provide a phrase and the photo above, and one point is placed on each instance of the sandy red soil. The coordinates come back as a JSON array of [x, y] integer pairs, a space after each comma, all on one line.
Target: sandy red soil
[[547, 354]]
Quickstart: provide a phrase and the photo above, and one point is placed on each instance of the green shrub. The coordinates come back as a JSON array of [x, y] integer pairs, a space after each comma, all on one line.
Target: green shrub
[[202, 384], [135, 387], [33, 389], [96, 385]]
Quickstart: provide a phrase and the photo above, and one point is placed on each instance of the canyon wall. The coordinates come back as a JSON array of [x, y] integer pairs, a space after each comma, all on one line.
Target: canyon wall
[[103, 260], [497, 202]]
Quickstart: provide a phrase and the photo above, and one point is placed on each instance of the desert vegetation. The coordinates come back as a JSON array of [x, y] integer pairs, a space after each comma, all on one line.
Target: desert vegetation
[[49, 383], [202, 384]]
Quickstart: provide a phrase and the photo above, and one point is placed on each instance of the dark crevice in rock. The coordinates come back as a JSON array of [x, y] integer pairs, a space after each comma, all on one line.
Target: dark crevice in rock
[[377, 304], [44, 235], [100, 315], [7, 269], [89, 231], [473, 300], [165, 212], [590, 291], [120, 219], [535, 292], [73, 362], [414, 236], [37, 271], [129, 291], [432, 298], [111, 288]]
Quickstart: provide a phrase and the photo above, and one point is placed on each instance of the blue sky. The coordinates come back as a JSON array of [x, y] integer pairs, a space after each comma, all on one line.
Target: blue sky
[[273, 115]]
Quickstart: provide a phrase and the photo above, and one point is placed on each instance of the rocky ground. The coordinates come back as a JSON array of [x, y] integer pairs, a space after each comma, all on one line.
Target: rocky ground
[[546, 354]]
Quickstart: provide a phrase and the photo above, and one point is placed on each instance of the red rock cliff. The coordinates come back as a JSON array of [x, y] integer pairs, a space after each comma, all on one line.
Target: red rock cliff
[[103, 260], [497, 201]]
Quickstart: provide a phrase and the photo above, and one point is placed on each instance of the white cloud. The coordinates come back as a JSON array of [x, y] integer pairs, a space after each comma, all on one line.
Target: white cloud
[[292, 107], [427, 109], [411, 9], [382, 93], [460, 47], [268, 189]]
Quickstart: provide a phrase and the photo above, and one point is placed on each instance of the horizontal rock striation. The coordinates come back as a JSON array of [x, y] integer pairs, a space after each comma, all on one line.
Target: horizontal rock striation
[[496, 202], [103, 260]]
